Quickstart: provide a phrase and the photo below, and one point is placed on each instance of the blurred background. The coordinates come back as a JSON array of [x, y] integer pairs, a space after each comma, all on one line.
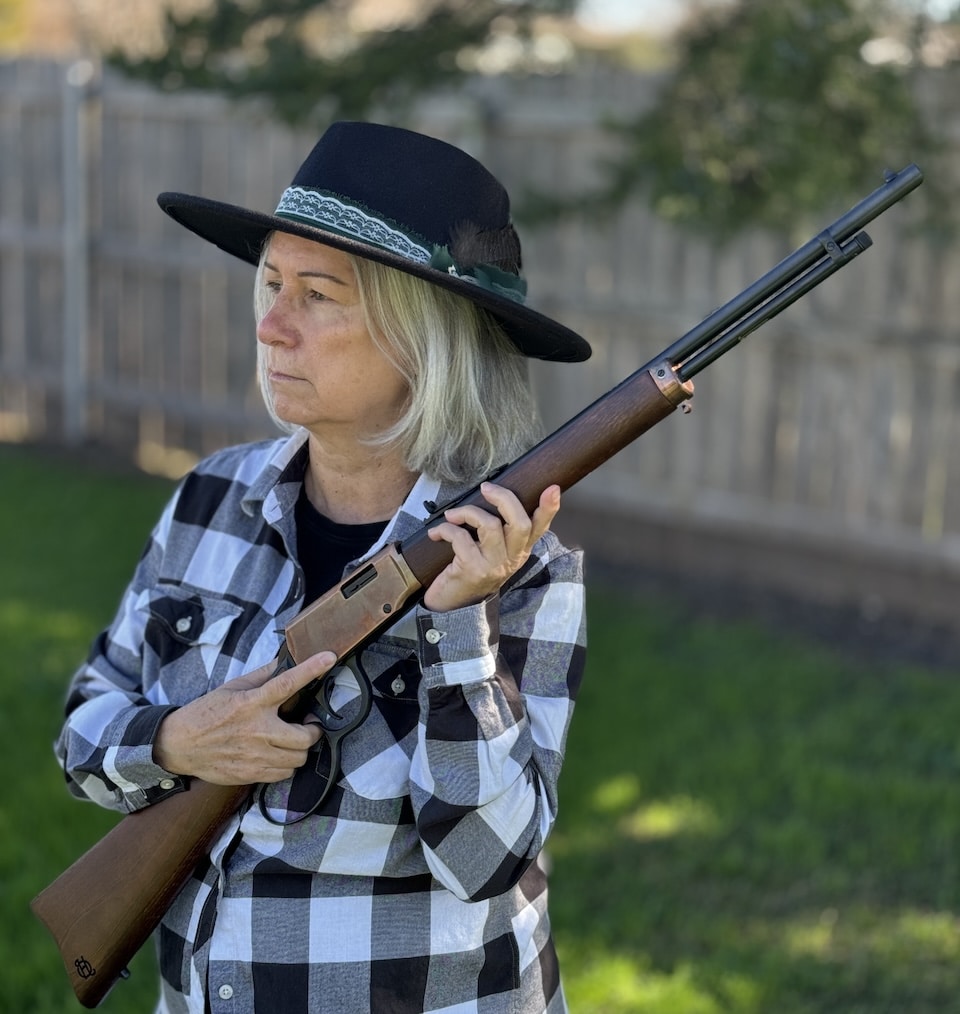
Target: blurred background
[[762, 822], [661, 155]]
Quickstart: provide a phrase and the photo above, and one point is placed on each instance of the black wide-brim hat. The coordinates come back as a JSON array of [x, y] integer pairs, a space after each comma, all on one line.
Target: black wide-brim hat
[[409, 201]]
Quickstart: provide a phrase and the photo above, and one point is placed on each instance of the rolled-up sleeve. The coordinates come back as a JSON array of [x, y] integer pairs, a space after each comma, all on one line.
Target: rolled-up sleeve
[[106, 743], [496, 699]]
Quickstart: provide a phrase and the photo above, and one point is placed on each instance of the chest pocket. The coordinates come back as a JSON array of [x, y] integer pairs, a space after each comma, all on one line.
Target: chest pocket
[[184, 635]]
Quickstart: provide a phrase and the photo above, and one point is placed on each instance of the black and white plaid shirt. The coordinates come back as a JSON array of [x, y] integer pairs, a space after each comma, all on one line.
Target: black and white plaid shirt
[[416, 887]]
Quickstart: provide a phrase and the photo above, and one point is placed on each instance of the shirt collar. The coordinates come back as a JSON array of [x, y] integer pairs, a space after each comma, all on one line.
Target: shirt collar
[[276, 488], [411, 514], [286, 464]]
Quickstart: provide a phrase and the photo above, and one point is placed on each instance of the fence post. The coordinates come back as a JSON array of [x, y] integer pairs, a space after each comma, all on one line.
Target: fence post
[[76, 248]]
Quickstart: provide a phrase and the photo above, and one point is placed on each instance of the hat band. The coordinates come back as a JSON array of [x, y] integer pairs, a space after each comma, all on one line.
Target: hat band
[[316, 208]]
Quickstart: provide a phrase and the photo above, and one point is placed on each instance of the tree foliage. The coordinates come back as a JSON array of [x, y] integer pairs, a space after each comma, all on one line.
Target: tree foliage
[[771, 113], [308, 57]]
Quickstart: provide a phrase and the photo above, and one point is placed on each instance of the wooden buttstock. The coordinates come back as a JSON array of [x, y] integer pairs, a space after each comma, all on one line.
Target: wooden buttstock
[[103, 908]]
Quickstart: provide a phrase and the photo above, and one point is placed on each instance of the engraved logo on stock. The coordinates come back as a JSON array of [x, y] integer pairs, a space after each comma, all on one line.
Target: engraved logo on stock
[[84, 969]]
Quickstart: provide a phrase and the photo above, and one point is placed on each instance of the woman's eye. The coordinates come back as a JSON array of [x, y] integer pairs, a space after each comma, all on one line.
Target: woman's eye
[[274, 285]]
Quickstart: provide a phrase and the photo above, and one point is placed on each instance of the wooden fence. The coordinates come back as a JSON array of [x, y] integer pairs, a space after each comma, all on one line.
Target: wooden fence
[[838, 422]]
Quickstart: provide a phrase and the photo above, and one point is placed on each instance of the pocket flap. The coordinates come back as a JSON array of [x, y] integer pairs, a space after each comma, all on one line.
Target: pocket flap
[[189, 617]]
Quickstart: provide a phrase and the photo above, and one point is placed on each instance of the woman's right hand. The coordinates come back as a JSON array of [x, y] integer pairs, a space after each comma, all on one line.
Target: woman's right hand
[[234, 736]]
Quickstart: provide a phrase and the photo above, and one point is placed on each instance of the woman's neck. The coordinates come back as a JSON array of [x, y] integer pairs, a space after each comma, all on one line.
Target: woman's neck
[[361, 485]]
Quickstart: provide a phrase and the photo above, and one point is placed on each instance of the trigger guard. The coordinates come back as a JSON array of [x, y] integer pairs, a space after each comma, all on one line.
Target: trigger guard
[[333, 735], [331, 721]]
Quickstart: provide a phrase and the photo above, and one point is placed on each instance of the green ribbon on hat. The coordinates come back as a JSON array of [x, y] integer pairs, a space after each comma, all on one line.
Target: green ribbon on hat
[[487, 276]]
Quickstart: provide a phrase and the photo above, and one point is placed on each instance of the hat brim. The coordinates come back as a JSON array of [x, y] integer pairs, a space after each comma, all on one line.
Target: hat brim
[[241, 232]]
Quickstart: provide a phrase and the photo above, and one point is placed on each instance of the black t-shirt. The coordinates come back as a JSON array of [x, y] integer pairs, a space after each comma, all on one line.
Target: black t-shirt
[[325, 547]]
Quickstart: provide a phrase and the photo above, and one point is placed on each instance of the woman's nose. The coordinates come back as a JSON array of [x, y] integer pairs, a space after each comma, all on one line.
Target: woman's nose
[[275, 327]]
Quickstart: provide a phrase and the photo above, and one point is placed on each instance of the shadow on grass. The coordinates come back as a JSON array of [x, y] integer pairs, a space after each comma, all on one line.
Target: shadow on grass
[[749, 824]]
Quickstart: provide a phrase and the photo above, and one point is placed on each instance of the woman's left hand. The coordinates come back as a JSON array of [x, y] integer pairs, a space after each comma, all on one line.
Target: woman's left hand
[[487, 548]]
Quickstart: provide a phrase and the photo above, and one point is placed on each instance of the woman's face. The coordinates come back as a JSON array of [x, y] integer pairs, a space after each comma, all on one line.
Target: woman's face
[[323, 369]]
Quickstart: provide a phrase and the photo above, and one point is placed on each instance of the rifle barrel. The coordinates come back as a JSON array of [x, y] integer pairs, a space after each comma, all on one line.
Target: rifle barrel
[[767, 311], [823, 246]]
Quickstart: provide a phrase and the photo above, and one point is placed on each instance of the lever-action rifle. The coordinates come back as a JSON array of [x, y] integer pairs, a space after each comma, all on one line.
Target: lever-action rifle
[[104, 907]]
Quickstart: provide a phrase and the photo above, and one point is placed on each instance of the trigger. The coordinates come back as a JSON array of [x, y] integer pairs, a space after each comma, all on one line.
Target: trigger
[[323, 700]]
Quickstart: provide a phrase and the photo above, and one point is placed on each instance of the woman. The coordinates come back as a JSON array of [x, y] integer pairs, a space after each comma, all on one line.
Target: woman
[[392, 330]]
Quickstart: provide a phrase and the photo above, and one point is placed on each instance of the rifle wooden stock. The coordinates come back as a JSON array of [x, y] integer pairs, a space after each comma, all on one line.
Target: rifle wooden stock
[[103, 908]]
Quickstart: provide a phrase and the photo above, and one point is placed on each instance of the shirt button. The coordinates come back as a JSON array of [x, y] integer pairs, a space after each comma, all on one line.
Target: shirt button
[[433, 636], [167, 783], [183, 625], [225, 992]]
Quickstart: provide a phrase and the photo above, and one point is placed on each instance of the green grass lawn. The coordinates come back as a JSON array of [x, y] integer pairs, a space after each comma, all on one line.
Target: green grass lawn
[[749, 823]]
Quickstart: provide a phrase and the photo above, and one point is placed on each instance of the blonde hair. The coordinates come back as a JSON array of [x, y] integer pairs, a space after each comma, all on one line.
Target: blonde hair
[[470, 407]]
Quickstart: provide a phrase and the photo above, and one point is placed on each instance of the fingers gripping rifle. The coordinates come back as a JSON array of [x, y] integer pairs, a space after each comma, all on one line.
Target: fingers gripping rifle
[[103, 908]]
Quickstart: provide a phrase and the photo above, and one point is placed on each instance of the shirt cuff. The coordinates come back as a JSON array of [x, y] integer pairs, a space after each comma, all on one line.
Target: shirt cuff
[[459, 646], [135, 771]]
